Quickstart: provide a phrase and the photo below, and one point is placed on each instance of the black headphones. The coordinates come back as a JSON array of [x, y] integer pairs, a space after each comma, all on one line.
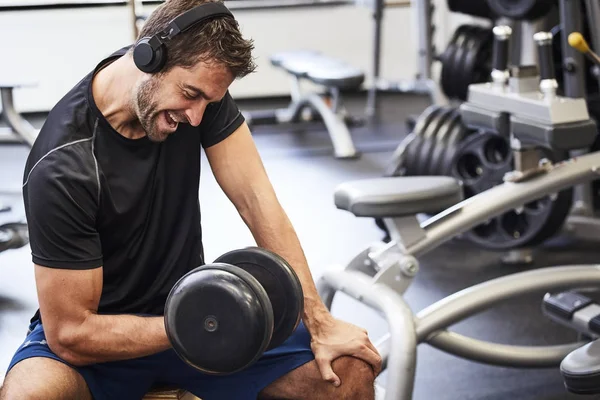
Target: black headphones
[[150, 54]]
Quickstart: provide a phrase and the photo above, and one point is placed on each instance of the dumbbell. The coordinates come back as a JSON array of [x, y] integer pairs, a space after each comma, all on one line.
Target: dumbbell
[[221, 317]]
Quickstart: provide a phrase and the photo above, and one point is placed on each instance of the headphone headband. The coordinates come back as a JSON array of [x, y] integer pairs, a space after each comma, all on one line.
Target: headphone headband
[[149, 53]]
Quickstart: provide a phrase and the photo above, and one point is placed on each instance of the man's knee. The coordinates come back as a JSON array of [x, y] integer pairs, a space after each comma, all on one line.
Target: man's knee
[[43, 378], [357, 378]]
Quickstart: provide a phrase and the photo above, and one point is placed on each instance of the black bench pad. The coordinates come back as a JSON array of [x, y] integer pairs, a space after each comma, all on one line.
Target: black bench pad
[[320, 69], [398, 196]]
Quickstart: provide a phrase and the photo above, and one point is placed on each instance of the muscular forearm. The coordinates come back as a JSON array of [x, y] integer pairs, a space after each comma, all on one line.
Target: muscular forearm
[[273, 230], [103, 338]]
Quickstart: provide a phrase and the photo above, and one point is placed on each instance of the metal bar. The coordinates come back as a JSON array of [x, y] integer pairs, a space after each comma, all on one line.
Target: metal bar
[[425, 56], [502, 355], [574, 74], [401, 363], [593, 15], [502, 198], [343, 145], [134, 15], [467, 302], [18, 124], [376, 61]]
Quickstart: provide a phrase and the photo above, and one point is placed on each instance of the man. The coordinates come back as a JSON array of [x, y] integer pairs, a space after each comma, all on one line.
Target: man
[[111, 195]]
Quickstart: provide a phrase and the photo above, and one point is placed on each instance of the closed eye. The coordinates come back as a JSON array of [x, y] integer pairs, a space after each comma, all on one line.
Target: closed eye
[[190, 96]]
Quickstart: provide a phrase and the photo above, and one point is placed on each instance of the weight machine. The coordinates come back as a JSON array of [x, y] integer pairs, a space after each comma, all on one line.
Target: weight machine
[[527, 106]]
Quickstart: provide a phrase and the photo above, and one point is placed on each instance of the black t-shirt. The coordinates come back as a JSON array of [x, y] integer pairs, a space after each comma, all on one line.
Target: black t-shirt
[[95, 198]]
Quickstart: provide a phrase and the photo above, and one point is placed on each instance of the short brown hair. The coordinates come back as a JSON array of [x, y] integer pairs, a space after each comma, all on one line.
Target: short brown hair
[[217, 40]]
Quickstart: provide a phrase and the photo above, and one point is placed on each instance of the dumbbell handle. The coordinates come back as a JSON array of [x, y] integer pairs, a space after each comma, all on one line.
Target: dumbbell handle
[[577, 41]]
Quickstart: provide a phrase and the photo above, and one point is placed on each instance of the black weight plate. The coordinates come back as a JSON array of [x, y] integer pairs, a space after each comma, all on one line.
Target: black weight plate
[[453, 145], [521, 9], [448, 72], [397, 164], [281, 284], [466, 61], [537, 222], [218, 319], [453, 123], [462, 78], [427, 119], [430, 140], [476, 57]]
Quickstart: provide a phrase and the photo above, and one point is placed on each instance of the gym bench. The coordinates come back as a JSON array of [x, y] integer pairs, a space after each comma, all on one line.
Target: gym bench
[[334, 76], [19, 130]]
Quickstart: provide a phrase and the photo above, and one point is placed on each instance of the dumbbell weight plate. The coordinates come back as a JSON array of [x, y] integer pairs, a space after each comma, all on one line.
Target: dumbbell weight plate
[[281, 284], [218, 319]]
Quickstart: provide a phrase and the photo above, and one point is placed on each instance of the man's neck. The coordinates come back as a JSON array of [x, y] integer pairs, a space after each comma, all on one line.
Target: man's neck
[[112, 88]]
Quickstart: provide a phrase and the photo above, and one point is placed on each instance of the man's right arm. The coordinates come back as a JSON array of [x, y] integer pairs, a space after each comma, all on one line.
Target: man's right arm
[[76, 333]]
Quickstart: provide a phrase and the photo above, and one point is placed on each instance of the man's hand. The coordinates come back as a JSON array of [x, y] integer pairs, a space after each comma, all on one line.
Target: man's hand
[[333, 338]]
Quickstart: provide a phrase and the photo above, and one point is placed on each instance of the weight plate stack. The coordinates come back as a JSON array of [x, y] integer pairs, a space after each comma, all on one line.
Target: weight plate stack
[[466, 60], [440, 144]]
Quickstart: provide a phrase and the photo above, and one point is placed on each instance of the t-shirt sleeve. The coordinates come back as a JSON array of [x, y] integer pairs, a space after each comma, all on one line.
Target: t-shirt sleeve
[[220, 120], [61, 202]]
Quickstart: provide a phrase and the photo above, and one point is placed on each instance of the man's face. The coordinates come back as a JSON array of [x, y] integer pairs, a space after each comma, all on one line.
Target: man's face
[[179, 96]]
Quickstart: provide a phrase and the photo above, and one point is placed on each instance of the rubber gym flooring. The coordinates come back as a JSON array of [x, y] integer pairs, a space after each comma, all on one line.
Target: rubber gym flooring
[[304, 174]]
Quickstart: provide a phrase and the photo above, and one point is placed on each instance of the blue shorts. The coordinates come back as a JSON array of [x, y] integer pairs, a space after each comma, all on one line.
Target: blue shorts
[[132, 379]]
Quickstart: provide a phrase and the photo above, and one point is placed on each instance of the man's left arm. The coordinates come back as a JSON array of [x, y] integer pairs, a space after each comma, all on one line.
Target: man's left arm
[[239, 171]]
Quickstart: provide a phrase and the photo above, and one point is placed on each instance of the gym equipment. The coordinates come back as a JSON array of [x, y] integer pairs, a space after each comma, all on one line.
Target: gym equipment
[[580, 368], [13, 236], [521, 9], [19, 129], [221, 317], [441, 144], [466, 60], [334, 76], [535, 117], [149, 53]]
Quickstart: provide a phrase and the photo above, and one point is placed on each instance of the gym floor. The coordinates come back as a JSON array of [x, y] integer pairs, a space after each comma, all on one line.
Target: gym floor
[[304, 174]]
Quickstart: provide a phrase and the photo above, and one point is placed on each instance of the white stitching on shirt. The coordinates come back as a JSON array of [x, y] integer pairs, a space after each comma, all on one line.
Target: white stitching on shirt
[[50, 152], [94, 155]]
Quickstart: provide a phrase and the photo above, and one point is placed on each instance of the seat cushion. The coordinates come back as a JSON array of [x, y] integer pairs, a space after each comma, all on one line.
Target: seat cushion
[[398, 196], [581, 369], [319, 68]]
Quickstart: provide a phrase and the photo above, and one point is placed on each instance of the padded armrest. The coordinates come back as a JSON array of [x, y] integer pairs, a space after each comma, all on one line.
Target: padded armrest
[[398, 196]]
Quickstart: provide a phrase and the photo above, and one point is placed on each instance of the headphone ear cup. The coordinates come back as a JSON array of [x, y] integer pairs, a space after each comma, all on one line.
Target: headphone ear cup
[[147, 59]]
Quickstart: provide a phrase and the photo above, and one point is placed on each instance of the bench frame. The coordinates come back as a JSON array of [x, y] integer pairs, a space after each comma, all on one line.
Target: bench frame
[[19, 129], [334, 116], [380, 274]]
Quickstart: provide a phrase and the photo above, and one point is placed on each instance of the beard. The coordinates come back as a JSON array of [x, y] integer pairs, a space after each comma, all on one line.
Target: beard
[[146, 107]]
